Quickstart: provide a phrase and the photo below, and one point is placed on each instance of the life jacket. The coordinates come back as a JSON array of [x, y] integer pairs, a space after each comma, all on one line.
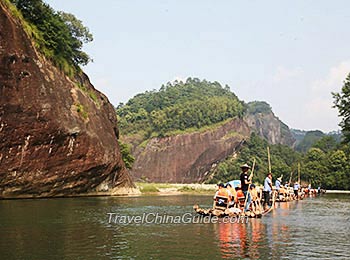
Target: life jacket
[[240, 194], [223, 192]]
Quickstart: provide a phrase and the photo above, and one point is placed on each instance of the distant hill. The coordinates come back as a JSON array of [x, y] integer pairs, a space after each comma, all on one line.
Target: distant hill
[[177, 107], [181, 131], [306, 139]]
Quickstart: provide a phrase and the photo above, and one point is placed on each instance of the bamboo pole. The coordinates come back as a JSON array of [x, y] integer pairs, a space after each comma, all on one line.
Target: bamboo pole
[[269, 158], [250, 178], [290, 179]]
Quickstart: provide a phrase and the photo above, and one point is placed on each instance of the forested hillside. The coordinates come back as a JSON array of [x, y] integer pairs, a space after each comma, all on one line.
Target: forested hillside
[[283, 160], [183, 107], [178, 106], [324, 158], [325, 164]]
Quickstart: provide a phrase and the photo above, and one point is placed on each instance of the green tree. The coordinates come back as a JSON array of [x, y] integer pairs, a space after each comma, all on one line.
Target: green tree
[[283, 160], [342, 103], [179, 106], [79, 35], [337, 166], [127, 157], [59, 36], [326, 143]]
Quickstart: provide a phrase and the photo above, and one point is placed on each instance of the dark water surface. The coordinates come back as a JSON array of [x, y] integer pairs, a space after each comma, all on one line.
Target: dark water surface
[[79, 228]]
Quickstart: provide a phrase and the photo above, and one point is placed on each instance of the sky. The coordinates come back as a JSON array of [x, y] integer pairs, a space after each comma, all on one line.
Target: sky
[[291, 54]]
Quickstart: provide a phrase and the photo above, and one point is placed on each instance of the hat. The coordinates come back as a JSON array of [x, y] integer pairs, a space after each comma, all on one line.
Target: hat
[[280, 178], [245, 166]]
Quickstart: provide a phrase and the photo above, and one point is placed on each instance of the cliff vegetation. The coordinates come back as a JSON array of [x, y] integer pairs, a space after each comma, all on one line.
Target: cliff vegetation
[[178, 106], [59, 36]]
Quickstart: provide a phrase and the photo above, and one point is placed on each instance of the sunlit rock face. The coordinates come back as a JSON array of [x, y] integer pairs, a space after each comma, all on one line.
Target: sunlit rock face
[[58, 136], [188, 158]]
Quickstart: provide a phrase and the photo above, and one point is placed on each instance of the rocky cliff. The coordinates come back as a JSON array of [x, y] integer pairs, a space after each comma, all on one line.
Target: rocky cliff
[[263, 121], [188, 157], [58, 135], [268, 126]]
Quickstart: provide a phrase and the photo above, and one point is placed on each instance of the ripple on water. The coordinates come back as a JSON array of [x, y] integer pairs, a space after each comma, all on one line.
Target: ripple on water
[[316, 228]]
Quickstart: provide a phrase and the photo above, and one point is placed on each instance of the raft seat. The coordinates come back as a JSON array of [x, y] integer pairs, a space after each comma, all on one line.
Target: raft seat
[[221, 203]]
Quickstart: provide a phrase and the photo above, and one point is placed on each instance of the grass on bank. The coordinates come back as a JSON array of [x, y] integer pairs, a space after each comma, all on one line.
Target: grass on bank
[[176, 188]]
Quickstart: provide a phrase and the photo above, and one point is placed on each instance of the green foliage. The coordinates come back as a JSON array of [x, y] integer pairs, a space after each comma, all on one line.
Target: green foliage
[[125, 150], [326, 143], [283, 161], [342, 103], [90, 92], [81, 110], [178, 106], [59, 36], [328, 169], [309, 139], [325, 164], [256, 107]]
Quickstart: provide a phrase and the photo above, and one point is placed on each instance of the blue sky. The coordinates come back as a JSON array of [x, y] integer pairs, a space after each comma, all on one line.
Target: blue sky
[[291, 54]]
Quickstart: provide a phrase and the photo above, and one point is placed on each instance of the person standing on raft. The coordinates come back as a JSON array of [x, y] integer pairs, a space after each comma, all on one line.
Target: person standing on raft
[[278, 184], [267, 190], [296, 188], [245, 181]]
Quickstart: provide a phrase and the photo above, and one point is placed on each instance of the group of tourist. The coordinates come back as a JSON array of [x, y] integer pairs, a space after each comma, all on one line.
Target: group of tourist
[[246, 195]]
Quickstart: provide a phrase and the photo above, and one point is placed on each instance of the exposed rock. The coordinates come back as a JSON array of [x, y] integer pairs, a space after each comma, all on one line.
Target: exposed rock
[[269, 127], [187, 158], [58, 136]]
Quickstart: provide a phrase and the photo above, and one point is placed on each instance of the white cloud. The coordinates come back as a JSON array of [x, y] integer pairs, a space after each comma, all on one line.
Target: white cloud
[[319, 110], [283, 74], [333, 81], [319, 114]]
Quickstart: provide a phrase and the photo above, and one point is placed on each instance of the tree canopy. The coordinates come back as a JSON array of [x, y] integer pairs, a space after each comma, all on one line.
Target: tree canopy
[[342, 103], [283, 161], [308, 140], [325, 164], [60, 36], [179, 106]]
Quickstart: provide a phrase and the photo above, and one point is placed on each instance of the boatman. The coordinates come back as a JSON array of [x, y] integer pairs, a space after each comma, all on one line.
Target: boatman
[[296, 189], [267, 190], [245, 184]]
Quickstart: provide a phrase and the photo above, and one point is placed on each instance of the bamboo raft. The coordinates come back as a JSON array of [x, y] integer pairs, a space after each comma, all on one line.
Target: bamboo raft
[[234, 211]]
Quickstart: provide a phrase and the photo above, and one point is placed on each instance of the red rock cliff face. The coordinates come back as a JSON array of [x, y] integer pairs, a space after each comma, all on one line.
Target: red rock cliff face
[[55, 139], [187, 158]]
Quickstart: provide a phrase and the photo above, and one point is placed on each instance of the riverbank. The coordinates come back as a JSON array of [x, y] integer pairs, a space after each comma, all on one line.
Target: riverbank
[[175, 188], [338, 191]]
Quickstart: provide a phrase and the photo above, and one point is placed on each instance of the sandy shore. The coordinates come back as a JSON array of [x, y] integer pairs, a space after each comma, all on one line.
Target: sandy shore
[[338, 191]]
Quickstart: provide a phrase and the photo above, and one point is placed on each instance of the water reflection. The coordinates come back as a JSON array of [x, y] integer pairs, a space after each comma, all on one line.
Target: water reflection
[[242, 240], [79, 229]]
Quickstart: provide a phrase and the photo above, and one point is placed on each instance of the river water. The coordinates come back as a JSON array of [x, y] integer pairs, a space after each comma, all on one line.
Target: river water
[[97, 228]]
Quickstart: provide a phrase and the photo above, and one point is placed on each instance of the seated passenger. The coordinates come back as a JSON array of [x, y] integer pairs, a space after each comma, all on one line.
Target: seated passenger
[[222, 192], [233, 193]]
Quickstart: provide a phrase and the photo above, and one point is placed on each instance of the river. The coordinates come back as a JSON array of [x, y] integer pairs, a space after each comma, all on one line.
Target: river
[[97, 228]]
